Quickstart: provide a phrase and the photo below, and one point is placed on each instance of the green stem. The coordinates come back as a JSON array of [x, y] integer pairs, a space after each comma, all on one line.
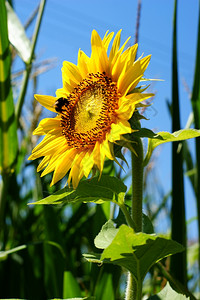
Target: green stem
[[129, 220], [131, 288], [137, 184], [29, 64], [134, 288]]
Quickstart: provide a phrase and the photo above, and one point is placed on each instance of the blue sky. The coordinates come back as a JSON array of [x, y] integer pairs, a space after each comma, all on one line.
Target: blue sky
[[67, 26]]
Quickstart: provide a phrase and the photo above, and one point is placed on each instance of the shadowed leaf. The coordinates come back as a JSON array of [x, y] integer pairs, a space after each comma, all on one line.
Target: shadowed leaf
[[107, 188], [136, 252]]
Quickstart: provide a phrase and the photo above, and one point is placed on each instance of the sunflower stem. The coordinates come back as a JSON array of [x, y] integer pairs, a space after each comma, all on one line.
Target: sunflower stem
[[134, 288], [137, 184], [128, 218]]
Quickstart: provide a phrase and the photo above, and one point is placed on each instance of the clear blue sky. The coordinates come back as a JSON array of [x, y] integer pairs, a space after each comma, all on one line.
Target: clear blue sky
[[67, 26]]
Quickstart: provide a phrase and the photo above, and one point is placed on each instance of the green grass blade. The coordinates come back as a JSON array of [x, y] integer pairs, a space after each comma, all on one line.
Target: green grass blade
[[29, 63], [70, 286], [196, 111], [178, 265], [8, 128], [17, 35], [53, 256]]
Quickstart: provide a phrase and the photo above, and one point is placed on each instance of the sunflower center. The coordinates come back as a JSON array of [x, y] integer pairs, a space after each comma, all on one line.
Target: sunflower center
[[88, 112], [88, 109]]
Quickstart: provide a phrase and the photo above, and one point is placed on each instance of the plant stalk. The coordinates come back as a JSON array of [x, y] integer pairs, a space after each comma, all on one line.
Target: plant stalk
[[128, 218], [137, 184], [134, 288]]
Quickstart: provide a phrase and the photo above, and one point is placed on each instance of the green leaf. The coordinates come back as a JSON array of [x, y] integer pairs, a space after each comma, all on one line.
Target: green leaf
[[165, 137], [70, 286], [106, 235], [147, 226], [8, 127], [168, 293], [137, 252], [107, 188], [146, 133], [17, 35]]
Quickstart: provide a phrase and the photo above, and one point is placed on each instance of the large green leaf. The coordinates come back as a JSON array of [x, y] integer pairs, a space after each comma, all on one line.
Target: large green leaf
[[168, 293], [107, 188], [109, 231], [8, 128], [70, 286], [136, 252], [17, 35], [165, 137]]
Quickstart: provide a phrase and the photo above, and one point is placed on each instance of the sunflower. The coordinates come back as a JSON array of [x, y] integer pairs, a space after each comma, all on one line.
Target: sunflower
[[93, 107]]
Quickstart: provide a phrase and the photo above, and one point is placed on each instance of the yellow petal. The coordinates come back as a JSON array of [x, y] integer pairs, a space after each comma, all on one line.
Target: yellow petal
[[83, 60], [87, 163], [117, 130], [133, 74], [48, 146], [46, 101], [107, 149], [51, 165], [53, 160], [126, 60], [65, 91], [118, 54], [72, 72], [99, 58], [103, 62], [107, 39], [127, 104], [43, 163], [98, 156], [46, 125], [115, 45], [76, 173], [63, 165]]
